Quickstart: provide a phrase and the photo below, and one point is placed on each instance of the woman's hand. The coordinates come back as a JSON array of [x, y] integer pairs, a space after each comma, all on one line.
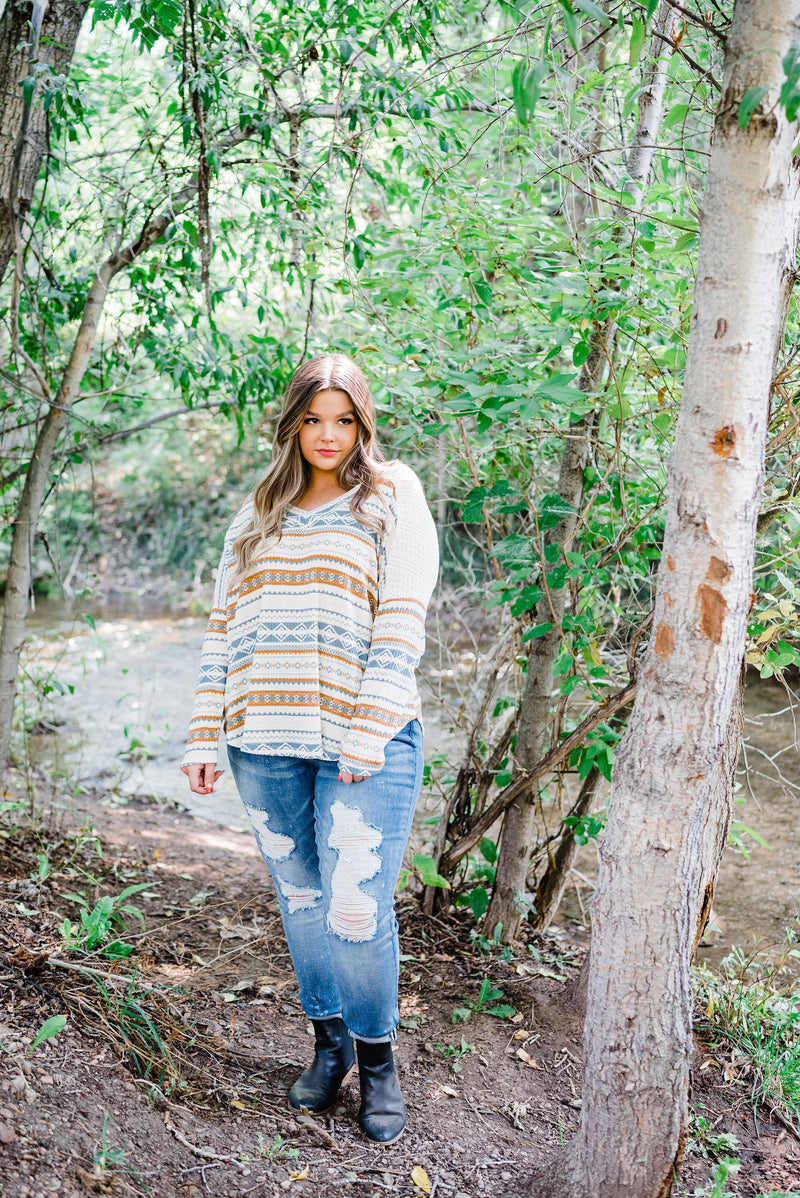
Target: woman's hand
[[345, 777], [202, 777]]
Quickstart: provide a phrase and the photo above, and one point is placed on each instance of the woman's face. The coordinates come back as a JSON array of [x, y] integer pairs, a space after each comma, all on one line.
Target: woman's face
[[328, 433]]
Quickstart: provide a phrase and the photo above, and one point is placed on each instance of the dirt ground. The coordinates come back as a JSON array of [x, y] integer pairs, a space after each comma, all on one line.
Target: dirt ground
[[174, 1084]]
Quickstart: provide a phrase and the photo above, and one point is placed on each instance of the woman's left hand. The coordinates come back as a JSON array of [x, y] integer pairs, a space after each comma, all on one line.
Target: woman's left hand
[[345, 777]]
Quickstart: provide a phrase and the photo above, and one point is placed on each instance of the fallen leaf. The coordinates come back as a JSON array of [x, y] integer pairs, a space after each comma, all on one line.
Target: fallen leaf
[[240, 1106], [300, 1174], [448, 1090], [524, 1056], [522, 1034], [420, 1179]]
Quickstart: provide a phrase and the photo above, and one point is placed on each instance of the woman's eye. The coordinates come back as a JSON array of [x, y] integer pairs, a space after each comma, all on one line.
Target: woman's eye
[[346, 420]]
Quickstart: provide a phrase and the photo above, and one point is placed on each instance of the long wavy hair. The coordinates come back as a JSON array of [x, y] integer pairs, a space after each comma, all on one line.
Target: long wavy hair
[[289, 474]]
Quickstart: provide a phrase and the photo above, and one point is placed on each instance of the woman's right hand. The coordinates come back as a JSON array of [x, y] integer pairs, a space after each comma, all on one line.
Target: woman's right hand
[[202, 777]]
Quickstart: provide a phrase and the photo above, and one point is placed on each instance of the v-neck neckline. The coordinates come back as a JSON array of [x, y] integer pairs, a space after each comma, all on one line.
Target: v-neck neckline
[[301, 511]]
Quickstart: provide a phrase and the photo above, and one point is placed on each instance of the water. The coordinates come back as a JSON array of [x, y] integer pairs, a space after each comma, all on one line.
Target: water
[[122, 730]]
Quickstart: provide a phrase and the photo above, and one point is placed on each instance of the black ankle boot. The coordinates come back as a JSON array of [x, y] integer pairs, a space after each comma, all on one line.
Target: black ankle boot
[[382, 1114], [316, 1089]]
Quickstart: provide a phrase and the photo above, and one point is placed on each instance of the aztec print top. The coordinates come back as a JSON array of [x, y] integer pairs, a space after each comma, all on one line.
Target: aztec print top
[[313, 654]]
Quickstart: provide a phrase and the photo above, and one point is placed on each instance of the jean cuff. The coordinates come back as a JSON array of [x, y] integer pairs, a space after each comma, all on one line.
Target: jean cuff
[[387, 1039]]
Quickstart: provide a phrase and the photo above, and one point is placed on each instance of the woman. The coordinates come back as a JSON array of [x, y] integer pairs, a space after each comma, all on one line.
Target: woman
[[308, 664]]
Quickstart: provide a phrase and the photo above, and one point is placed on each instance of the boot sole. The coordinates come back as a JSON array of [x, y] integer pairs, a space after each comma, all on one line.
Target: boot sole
[[382, 1143], [324, 1110]]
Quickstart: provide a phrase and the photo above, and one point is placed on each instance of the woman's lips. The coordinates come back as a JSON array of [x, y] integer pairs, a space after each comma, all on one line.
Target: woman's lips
[[328, 453]]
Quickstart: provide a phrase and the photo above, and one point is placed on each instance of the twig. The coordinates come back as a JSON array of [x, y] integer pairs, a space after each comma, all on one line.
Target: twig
[[308, 1123], [195, 1148]]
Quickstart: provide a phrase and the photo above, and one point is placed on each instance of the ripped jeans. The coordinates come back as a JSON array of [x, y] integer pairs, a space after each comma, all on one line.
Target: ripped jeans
[[334, 850]]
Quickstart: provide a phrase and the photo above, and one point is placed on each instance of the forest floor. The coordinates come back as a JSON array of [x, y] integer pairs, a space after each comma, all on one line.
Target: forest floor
[[170, 1075]]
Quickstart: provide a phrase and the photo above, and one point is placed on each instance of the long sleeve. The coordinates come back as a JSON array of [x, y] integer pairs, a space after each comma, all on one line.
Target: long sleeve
[[408, 567], [209, 699]]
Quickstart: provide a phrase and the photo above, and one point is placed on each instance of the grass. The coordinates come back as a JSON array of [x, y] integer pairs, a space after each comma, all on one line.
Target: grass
[[752, 1011]]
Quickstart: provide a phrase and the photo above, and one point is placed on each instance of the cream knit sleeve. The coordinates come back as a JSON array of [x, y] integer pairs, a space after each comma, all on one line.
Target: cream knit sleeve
[[209, 698], [408, 567]]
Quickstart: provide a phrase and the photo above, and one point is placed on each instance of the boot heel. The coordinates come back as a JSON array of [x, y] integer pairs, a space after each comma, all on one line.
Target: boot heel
[[333, 1064], [382, 1114]]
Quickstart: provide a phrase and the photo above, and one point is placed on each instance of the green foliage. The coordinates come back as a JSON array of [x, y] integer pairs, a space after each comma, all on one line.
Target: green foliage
[[277, 1150], [585, 827], [51, 1027], [454, 1053], [487, 995], [753, 1007], [749, 103], [790, 90], [705, 1140], [425, 868], [99, 921]]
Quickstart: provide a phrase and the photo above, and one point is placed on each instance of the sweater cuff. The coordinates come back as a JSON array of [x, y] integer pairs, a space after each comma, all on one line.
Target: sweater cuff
[[202, 753], [359, 769]]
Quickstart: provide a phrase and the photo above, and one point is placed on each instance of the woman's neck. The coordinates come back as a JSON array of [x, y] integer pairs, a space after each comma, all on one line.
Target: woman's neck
[[320, 490]]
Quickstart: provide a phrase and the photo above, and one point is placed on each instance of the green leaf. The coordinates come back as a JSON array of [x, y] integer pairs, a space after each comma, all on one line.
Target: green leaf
[[637, 41], [675, 116], [488, 849], [580, 353], [525, 88], [51, 1027], [749, 103], [592, 10], [137, 889], [428, 874], [503, 1011], [478, 901], [359, 252], [537, 631]]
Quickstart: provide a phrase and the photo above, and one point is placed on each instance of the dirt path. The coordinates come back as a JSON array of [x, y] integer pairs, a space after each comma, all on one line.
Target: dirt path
[[213, 1022]]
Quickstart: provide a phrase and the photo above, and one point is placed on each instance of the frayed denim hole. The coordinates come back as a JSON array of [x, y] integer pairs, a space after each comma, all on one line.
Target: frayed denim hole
[[353, 914]]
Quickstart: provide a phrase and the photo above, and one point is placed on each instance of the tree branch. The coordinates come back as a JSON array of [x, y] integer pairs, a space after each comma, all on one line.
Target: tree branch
[[523, 781]]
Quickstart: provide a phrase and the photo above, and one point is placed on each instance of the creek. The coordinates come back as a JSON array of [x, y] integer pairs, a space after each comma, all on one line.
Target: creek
[[116, 716]]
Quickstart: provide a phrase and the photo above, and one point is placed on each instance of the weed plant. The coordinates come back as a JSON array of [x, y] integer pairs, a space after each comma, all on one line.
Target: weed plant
[[752, 1008]]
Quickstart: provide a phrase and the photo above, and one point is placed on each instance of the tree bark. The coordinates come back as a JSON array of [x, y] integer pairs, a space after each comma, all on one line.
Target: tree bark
[[666, 780], [23, 128], [519, 826], [550, 889], [720, 814]]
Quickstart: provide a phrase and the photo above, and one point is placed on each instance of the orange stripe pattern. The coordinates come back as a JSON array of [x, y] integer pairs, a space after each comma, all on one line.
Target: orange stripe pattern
[[313, 655]]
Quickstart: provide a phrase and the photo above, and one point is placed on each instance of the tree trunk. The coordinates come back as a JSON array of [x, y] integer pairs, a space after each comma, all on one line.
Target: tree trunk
[[519, 825], [550, 889], [720, 814], [638, 1038], [23, 128]]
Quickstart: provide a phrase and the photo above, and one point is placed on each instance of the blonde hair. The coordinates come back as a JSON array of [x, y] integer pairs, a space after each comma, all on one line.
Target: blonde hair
[[288, 476]]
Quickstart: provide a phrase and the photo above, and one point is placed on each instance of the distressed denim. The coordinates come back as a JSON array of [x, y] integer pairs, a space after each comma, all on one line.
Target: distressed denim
[[335, 850]]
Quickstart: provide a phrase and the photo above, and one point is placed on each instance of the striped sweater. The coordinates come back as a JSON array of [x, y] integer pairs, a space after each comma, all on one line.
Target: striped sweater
[[313, 654]]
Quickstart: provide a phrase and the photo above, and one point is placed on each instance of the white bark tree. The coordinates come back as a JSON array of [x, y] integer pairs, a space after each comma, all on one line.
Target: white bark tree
[[668, 803]]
